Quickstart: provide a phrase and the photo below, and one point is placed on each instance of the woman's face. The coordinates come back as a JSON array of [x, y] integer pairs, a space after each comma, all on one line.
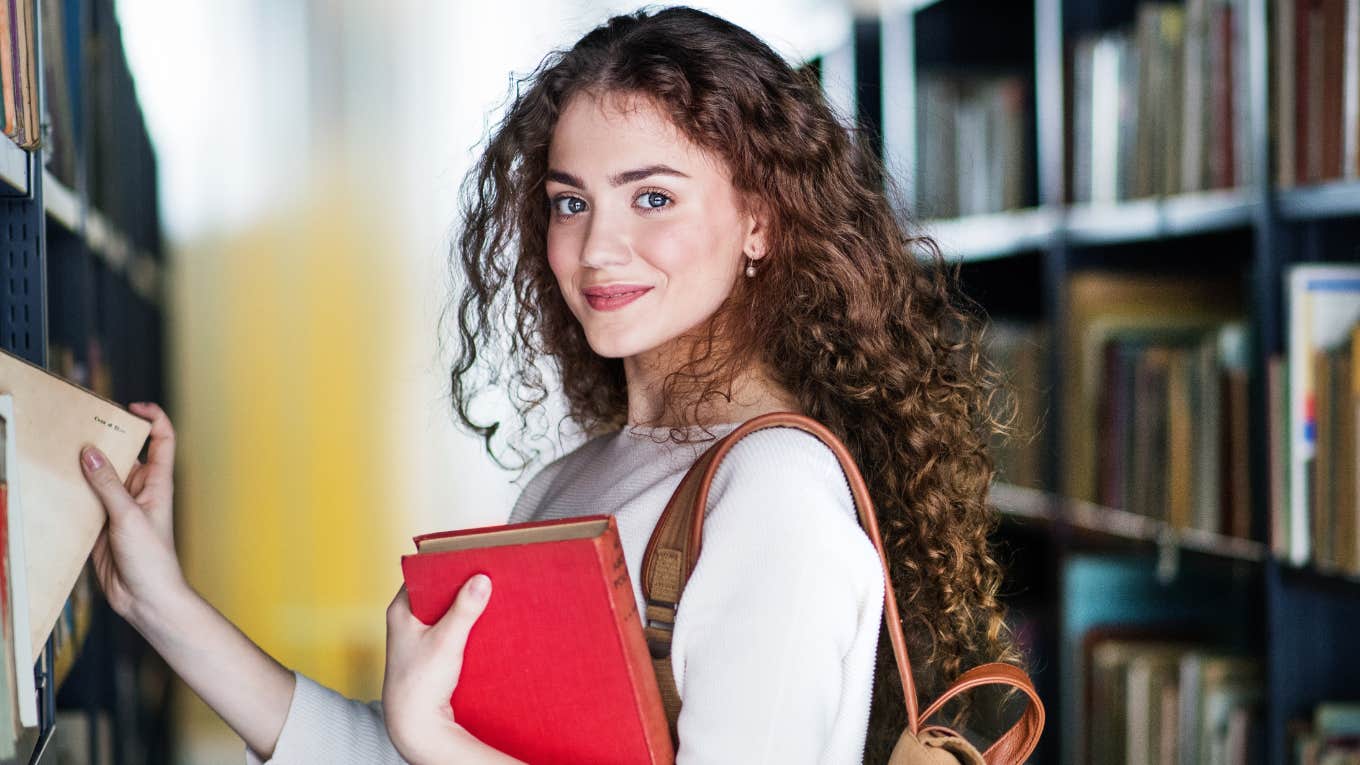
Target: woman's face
[[637, 209]]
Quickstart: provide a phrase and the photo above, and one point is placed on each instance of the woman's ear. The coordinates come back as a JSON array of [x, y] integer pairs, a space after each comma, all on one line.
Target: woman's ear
[[755, 242]]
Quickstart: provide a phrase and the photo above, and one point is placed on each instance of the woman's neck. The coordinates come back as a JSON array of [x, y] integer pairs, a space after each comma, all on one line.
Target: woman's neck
[[753, 394]]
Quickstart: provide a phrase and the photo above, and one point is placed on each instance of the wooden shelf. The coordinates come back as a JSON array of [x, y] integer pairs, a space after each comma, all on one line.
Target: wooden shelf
[[61, 203], [910, 6], [994, 235], [1160, 217], [999, 235], [1325, 576], [1327, 200], [13, 166], [1113, 524]]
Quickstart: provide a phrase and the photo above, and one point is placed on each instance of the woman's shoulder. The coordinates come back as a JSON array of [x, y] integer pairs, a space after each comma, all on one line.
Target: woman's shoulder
[[773, 470], [780, 498], [541, 484]]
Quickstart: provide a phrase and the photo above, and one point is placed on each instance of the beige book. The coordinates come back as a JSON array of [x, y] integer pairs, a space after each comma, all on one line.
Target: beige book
[[62, 514]]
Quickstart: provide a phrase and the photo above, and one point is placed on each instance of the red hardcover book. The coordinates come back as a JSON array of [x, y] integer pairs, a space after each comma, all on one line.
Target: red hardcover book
[[556, 669]]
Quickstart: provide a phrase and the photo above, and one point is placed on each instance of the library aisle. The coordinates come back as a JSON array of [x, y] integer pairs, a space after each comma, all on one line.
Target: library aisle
[[243, 211]]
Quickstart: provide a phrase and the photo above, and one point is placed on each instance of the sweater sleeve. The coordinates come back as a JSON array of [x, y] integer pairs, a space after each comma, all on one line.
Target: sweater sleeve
[[777, 626], [324, 726]]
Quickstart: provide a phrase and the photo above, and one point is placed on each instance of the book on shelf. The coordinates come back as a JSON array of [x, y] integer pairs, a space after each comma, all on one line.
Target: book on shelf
[[1316, 90], [1324, 330], [18, 75], [1160, 106], [558, 668], [970, 143], [58, 25], [1330, 737], [1277, 455], [1154, 404], [62, 514], [120, 159], [21, 693], [1155, 695]]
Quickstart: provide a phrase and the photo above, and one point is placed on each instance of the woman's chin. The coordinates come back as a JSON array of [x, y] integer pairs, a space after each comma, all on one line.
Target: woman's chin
[[614, 347]]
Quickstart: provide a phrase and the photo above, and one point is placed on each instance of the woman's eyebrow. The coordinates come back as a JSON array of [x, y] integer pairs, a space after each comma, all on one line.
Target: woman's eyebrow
[[627, 176]]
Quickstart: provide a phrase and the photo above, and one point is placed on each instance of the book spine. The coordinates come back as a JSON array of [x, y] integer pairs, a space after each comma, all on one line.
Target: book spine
[[647, 695], [1351, 118]]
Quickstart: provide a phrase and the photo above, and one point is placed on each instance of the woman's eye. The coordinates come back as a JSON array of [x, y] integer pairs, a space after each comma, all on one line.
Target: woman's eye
[[573, 205], [653, 200]]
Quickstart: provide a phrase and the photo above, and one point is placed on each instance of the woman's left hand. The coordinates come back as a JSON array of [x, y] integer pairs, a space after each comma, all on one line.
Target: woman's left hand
[[423, 665]]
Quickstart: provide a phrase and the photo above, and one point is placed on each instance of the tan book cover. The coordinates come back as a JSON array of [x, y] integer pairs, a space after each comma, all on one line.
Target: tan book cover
[[7, 81], [62, 514], [1180, 445], [1108, 299]]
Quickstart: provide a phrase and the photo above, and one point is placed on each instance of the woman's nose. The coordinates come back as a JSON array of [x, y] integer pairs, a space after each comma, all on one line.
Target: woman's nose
[[606, 244]]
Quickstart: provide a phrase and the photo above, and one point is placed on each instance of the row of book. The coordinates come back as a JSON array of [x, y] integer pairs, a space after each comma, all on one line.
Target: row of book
[[970, 143], [1315, 87], [91, 108], [1166, 393], [1155, 378], [1157, 419], [1330, 737], [18, 74], [1161, 106], [1156, 107], [1150, 700]]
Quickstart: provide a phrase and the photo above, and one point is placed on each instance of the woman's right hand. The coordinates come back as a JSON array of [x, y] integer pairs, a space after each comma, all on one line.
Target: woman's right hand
[[134, 556]]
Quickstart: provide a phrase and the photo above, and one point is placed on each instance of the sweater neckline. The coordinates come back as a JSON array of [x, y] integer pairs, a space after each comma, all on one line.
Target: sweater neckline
[[638, 432]]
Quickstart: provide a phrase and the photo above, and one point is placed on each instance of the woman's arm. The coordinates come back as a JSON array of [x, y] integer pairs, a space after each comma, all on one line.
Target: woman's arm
[[140, 575], [247, 687]]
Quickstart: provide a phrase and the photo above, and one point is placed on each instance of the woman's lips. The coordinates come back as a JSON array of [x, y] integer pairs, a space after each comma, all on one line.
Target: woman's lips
[[610, 300]]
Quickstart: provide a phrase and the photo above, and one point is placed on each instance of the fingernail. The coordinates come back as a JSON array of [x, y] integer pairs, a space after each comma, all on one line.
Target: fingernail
[[93, 459], [480, 586]]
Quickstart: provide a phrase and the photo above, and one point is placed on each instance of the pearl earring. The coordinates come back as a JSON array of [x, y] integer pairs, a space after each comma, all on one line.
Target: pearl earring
[[750, 267]]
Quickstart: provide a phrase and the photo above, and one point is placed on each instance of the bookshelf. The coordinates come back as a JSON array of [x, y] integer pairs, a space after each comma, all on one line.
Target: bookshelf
[[1020, 262], [83, 275]]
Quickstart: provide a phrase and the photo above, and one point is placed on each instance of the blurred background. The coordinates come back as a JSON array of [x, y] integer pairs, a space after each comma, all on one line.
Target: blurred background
[[243, 212]]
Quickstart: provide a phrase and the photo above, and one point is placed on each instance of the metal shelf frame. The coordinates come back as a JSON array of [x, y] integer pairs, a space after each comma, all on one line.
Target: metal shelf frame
[[35, 209]]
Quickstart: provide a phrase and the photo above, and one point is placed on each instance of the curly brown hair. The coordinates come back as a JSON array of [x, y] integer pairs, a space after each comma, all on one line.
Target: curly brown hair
[[861, 322]]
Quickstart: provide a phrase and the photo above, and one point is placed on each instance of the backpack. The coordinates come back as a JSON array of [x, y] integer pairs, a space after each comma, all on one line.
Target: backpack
[[673, 551]]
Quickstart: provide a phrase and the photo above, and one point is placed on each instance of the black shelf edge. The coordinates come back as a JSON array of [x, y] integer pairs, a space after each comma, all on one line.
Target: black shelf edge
[[1160, 217], [1325, 200], [1122, 526], [909, 6], [998, 235], [994, 235]]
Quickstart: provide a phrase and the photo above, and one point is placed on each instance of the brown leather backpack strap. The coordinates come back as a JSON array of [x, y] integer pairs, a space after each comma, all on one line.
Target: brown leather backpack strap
[[673, 550], [666, 567], [1017, 743]]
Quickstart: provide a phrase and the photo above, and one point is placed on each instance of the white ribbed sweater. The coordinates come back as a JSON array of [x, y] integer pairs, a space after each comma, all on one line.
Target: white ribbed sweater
[[774, 641]]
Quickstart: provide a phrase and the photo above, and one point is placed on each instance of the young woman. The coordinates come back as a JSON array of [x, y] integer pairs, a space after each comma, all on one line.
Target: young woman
[[675, 220]]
